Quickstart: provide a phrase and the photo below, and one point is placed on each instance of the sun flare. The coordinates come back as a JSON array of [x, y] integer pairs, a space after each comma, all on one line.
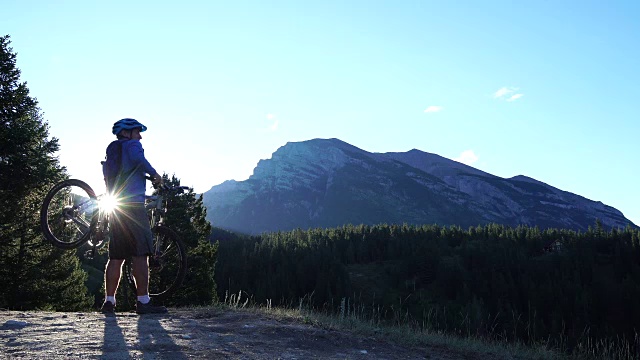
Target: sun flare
[[108, 203]]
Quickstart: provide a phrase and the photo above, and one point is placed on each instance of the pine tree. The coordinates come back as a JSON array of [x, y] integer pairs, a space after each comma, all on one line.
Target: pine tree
[[187, 217], [33, 274]]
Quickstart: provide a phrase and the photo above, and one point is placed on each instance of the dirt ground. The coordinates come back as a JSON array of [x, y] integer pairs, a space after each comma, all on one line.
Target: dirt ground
[[188, 334]]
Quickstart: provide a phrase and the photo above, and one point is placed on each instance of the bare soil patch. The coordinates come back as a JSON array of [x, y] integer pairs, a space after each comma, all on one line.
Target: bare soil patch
[[189, 333]]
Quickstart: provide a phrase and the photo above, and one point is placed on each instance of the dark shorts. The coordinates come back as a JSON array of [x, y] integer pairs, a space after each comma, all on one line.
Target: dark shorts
[[130, 232]]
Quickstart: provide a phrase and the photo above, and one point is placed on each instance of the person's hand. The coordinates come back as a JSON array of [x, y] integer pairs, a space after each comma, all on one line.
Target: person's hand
[[157, 180]]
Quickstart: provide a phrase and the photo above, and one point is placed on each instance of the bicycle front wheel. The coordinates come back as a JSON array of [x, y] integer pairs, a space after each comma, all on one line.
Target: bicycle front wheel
[[68, 213], [167, 265]]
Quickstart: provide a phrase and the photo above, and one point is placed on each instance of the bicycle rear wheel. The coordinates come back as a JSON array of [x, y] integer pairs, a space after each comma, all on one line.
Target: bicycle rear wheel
[[167, 266], [68, 213]]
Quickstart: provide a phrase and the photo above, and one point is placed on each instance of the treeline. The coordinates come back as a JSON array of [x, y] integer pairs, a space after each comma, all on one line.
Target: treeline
[[513, 283]]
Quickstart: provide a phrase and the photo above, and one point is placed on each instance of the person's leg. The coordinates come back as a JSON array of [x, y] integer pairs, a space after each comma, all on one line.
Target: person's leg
[[140, 268], [144, 305], [112, 275], [119, 249]]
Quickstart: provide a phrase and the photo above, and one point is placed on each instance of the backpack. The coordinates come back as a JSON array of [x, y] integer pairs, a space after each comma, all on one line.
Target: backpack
[[112, 166]]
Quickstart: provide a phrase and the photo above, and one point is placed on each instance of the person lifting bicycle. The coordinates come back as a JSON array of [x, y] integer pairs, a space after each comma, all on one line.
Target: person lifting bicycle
[[130, 230]]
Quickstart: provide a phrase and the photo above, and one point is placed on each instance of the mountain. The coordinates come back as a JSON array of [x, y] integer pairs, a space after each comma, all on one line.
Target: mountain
[[329, 183]]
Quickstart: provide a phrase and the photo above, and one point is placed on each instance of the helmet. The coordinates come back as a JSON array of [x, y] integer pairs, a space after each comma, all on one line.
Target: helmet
[[127, 124]]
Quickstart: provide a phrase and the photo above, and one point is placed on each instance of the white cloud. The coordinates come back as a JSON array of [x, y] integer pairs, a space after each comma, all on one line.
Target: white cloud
[[508, 94], [274, 122], [433, 108], [515, 97], [467, 157], [504, 91]]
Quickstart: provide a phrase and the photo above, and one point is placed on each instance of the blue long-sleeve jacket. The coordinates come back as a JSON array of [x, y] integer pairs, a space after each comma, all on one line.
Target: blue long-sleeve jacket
[[134, 166]]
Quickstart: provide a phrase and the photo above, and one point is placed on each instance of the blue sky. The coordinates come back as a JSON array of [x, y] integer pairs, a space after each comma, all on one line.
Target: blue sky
[[545, 89]]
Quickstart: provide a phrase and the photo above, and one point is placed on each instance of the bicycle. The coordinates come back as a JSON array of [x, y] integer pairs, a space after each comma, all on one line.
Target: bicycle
[[72, 215]]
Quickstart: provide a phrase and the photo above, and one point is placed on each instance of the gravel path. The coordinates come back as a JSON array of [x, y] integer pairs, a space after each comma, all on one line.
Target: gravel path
[[186, 334]]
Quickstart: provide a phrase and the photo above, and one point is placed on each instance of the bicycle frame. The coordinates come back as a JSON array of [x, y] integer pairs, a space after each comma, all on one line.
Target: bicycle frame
[[156, 204], [156, 207], [69, 213]]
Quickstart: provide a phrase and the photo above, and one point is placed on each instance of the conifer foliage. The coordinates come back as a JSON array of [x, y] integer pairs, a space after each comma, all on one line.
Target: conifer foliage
[[33, 274], [186, 215]]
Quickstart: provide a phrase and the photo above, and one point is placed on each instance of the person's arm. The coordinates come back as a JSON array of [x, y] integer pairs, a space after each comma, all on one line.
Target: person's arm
[[136, 155]]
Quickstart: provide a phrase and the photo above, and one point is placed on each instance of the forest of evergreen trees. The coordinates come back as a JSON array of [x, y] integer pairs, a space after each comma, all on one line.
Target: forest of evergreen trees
[[511, 283], [32, 273]]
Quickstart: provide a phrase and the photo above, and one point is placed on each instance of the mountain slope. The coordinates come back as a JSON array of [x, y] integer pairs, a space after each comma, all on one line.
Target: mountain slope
[[328, 183]]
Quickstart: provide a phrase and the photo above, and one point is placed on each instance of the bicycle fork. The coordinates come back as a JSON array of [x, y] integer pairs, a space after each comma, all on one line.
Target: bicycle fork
[[98, 237]]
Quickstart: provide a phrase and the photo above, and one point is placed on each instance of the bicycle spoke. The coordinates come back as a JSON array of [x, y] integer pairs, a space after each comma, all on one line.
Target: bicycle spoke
[[85, 227], [168, 251]]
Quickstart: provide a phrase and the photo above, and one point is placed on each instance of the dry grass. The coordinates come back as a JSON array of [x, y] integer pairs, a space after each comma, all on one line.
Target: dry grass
[[359, 324], [353, 318]]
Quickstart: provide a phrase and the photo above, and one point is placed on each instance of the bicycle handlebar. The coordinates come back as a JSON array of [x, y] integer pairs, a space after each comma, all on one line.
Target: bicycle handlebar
[[165, 187]]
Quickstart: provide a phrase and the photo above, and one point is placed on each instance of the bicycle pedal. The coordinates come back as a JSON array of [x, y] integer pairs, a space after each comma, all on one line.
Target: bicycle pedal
[[89, 254]]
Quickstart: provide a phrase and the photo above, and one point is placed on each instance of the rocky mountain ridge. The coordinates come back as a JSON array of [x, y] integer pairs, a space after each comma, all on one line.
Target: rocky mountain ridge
[[328, 183]]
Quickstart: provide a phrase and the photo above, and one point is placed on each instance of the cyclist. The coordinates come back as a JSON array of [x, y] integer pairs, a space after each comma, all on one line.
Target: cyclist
[[130, 230]]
